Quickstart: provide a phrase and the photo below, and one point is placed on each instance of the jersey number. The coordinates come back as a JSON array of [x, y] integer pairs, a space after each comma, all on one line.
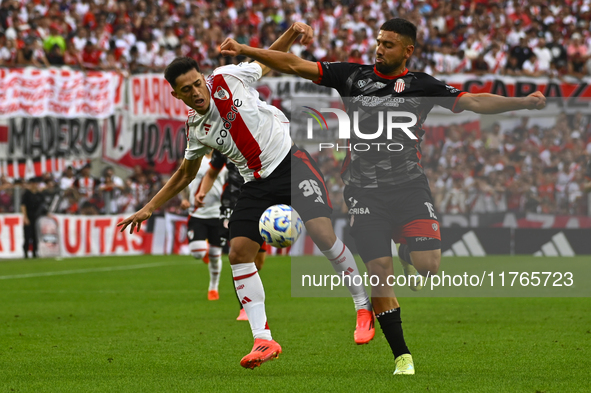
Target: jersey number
[[310, 187]]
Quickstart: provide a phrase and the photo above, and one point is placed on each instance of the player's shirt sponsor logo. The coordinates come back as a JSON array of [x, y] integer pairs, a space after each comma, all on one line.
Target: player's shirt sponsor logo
[[399, 85], [359, 210], [372, 101]]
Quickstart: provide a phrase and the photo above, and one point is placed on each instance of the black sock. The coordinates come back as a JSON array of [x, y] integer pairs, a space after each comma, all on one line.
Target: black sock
[[404, 253], [391, 325]]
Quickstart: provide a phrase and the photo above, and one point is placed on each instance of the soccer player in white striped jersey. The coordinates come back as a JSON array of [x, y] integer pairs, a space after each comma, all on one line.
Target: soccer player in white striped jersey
[[203, 228], [227, 116]]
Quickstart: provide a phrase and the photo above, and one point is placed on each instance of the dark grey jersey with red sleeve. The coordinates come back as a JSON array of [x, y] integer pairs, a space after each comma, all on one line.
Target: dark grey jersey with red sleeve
[[383, 161]]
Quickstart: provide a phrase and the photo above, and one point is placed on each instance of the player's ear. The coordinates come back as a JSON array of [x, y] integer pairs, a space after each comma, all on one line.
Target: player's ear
[[409, 51]]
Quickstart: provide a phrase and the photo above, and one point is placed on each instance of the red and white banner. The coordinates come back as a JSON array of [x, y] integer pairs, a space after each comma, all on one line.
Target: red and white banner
[[78, 236], [35, 92], [96, 235], [161, 141], [573, 91], [11, 236], [35, 167], [149, 96]]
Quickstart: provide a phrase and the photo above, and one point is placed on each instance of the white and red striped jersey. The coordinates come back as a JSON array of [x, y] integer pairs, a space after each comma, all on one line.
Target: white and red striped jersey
[[85, 186], [140, 192], [251, 133], [212, 201]]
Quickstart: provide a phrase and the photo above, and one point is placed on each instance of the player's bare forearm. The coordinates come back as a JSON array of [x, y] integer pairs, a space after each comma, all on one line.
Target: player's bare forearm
[[206, 185], [286, 63], [179, 180], [486, 103], [209, 179]]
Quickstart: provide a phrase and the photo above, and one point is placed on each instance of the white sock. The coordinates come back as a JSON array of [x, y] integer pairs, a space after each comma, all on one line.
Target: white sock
[[215, 267], [251, 293], [342, 261]]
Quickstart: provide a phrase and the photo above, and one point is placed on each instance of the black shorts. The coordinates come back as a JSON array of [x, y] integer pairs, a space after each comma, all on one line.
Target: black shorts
[[405, 215], [297, 181], [204, 229]]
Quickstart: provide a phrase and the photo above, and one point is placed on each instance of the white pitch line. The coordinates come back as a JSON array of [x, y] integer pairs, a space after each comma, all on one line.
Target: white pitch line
[[92, 270]]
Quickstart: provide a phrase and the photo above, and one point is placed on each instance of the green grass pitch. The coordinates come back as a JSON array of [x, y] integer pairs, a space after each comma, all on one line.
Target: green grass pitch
[[143, 324]]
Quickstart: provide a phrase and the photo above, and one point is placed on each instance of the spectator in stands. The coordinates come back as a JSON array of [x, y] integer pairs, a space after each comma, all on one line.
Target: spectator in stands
[[54, 38], [479, 65], [6, 195], [85, 184], [532, 67], [31, 54], [91, 56], [68, 178], [454, 201], [521, 52]]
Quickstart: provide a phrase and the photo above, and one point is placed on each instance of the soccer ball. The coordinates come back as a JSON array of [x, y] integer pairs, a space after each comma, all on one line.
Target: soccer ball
[[280, 226]]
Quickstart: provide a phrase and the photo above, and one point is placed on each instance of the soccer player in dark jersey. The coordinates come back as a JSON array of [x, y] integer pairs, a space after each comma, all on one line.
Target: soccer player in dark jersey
[[387, 191]]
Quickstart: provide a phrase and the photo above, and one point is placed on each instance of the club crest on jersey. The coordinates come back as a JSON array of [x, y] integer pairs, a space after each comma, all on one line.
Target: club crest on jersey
[[434, 226], [379, 85], [399, 85], [221, 93], [361, 84]]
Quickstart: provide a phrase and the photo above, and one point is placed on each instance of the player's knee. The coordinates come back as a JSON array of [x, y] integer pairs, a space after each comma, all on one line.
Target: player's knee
[[238, 255], [198, 249]]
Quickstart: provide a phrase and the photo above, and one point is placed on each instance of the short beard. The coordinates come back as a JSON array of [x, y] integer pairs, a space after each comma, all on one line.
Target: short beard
[[386, 69]]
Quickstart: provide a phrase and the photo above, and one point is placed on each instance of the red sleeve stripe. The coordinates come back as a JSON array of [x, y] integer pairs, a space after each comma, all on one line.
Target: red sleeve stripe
[[317, 81], [453, 108]]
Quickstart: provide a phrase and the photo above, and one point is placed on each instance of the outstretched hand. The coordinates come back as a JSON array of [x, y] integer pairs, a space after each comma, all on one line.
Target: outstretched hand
[[536, 100], [135, 220], [230, 48]]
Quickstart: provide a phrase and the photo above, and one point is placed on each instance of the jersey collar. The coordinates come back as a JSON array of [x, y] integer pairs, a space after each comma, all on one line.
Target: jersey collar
[[378, 73]]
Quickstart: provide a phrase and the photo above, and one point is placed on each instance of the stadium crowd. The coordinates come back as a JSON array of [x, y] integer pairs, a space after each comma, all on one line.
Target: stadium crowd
[[534, 38], [78, 192]]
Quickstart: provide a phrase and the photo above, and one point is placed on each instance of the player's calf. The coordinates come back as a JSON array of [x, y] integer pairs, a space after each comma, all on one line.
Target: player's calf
[[426, 262]]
